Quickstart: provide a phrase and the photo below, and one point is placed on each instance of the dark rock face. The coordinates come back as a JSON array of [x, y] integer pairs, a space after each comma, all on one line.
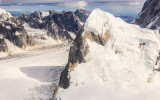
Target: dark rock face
[[3, 45], [50, 23], [57, 32], [76, 55], [149, 17], [67, 21], [11, 28], [15, 33], [82, 14], [24, 18], [35, 20]]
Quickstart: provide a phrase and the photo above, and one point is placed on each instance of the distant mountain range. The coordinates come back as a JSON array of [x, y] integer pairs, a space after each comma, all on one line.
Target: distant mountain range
[[126, 18], [39, 28]]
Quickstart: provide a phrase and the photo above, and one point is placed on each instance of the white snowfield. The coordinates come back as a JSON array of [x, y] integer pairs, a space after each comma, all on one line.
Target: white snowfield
[[32, 76], [44, 13], [120, 70]]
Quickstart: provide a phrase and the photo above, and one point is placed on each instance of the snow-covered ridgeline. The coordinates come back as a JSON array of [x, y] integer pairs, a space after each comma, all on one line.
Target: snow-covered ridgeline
[[122, 69]]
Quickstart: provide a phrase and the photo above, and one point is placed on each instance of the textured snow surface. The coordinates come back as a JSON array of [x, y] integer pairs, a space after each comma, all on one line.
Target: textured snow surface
[[44, 13], [34, 32], [120, 70], [4, 14], [99, 21], [17, 33], [32, 77]]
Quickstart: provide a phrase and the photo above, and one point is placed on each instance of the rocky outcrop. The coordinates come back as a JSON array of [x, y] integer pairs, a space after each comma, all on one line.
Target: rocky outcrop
[[76, 55], [3, 45], [67, 21], [15, 33], [12, 29], [37, 21], [82, 14], [149, 17], [78, 52]]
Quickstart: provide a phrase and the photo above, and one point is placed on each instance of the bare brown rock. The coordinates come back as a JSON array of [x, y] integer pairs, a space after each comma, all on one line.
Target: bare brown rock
[[78, 52]]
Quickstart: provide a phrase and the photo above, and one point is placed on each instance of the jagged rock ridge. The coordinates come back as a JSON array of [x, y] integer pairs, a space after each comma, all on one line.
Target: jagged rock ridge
[[149, 17], [3, 45], [82, 14], [58, 25]]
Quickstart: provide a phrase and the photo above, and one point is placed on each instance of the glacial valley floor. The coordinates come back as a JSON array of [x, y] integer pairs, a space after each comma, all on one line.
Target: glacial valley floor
[[32, 75]]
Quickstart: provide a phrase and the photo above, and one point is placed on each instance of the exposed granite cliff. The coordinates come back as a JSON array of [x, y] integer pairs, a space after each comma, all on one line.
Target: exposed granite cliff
[[3, 45]]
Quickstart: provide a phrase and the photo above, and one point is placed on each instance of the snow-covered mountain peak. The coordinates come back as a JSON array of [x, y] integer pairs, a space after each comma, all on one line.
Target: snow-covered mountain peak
[[81, 8], [121, 62], [2, 11], [100, 21], [44, 13], [4, 15]]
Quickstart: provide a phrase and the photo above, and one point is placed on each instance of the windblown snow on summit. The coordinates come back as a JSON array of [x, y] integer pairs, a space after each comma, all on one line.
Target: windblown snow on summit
[[111, 60], [4, 15]]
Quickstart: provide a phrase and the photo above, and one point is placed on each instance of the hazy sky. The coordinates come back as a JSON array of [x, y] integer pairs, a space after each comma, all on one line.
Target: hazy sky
[[51, 1], [126, 7]]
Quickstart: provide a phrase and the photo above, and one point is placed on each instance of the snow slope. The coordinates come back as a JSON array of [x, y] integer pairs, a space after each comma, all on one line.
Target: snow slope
[[4, 15], [32, 77], [120, 70]]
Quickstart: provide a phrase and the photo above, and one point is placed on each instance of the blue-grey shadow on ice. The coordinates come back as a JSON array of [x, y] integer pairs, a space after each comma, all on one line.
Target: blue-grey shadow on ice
[[43, 73], [46, 74]]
